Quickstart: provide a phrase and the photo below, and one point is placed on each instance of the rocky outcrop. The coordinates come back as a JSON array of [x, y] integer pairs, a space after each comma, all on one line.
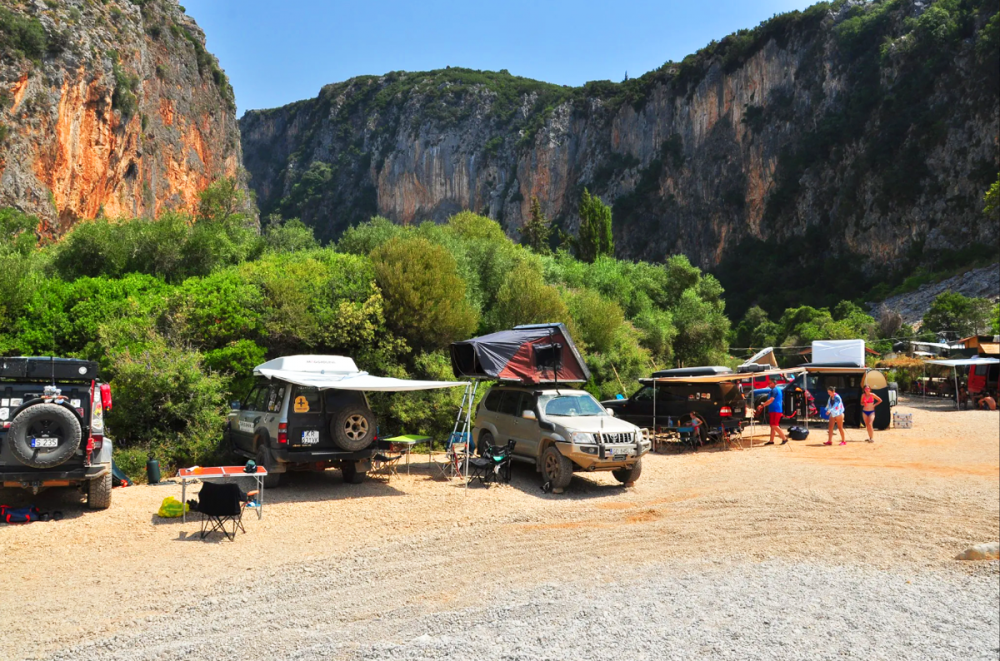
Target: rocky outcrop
[[974, 283], [865, 132], [109, 108]]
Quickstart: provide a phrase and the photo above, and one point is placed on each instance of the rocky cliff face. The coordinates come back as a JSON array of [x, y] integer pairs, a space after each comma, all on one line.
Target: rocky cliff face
[[864, 132], [110, 108]]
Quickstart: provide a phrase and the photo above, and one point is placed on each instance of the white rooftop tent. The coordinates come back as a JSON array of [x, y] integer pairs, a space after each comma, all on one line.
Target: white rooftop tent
[[339, 373]]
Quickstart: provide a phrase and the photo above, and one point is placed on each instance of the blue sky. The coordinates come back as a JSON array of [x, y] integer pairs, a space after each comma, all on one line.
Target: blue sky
[[279, 52]]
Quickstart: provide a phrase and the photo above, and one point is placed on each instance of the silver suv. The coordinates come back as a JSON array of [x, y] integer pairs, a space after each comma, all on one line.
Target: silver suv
[[283, 426], [560, 431]]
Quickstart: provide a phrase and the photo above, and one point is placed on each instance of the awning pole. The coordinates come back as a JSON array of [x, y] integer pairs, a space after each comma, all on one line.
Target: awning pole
[[954, 373]]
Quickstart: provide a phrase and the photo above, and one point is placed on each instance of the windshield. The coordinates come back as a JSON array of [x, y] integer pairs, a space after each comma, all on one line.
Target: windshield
[[571, 405]]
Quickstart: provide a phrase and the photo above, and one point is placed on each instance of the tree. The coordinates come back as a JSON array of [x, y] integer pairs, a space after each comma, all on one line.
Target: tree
[[756, 330], [995, 321], [425, 298], [992, 200], [524, 298], [959, 315], [288, 236], [890, 321], [536, 232], [595, 237], [597, 318]]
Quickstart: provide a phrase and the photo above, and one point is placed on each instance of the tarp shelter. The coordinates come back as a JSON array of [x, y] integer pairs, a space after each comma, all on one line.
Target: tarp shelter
[[339, 373], [954, 364], [539, 353]]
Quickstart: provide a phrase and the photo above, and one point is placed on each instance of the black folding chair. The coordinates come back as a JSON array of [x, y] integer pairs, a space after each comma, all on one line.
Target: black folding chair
[[221, 504], [493, 465]]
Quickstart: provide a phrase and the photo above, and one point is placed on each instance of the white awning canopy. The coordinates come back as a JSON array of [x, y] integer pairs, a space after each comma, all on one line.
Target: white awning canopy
[[336, 373], [963, 362]]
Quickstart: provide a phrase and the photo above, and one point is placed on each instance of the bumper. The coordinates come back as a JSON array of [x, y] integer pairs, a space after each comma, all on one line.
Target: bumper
[[39, 477], [588, 457], [313, 456]]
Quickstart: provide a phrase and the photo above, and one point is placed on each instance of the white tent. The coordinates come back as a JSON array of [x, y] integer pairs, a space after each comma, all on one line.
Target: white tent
[[955, 363], [339, 373]]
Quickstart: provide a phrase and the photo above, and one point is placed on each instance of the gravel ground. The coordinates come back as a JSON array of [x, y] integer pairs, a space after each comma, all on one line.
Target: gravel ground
[[801, 551]]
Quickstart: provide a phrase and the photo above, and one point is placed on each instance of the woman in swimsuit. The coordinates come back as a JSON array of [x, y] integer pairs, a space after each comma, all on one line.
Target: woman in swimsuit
[[869, 401], [835, 411]]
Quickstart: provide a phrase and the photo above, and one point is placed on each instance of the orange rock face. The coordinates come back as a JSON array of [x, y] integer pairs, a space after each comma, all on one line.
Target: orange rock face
[[77, 150]]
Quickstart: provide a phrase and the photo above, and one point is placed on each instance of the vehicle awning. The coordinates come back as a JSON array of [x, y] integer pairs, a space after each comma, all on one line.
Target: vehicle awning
[[719, 378], [964, 362], [339, 373]]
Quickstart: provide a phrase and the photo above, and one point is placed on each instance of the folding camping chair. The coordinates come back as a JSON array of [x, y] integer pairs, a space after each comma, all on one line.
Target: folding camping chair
[[494, 465], [455, 453], [386, 463], [221, 504]]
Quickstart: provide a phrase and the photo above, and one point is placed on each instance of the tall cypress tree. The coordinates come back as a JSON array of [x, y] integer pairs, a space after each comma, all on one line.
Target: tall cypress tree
[[595, 229], [537, 230]]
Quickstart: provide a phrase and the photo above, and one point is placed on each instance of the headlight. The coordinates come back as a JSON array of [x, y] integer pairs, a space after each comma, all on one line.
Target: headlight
[[583, 438]]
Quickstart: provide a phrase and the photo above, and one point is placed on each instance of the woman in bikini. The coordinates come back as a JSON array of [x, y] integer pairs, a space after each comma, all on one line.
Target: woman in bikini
[[835, 411], [869, 401]]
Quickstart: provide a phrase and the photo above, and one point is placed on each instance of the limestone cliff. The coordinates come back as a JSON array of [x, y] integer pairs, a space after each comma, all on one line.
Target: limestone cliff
[[864, 132], [109, 107]]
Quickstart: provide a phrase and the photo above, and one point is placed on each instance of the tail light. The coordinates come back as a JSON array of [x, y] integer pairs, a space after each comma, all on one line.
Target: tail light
[[97, 418], [725, 412], [282, 433]]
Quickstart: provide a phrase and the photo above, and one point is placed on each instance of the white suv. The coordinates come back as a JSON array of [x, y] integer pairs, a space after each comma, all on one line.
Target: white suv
[[560, 431]]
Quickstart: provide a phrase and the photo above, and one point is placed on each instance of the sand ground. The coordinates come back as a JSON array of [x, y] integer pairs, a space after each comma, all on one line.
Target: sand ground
[[908, 503]]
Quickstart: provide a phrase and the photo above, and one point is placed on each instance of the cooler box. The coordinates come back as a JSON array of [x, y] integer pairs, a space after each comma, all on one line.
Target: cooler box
[[902, 420]]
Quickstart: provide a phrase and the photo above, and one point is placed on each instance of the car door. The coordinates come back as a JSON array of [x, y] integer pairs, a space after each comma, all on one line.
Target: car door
[[240, 427], [529, 436], [509, 420]]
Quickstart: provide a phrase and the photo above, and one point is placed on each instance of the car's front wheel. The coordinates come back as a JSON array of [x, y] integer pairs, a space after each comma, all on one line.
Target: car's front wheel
[[556, 469], [627, 476]]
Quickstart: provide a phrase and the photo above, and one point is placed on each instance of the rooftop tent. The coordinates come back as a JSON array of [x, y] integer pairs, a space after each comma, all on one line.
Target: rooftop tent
[[339, 373], [838, 352], [539, 353]]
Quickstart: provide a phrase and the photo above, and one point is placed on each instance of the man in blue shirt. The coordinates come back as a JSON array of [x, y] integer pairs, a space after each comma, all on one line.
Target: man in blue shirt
[[775, 410]]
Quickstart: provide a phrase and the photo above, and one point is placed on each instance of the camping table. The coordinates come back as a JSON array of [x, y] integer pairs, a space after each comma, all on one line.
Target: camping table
[[409, 440], [220, 473]]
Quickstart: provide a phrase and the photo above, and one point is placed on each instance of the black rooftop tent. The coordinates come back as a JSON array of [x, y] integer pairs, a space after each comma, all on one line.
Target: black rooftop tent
[[538, 353]]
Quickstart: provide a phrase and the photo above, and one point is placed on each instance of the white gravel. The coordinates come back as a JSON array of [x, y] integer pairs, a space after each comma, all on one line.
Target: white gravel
[[677, 610]]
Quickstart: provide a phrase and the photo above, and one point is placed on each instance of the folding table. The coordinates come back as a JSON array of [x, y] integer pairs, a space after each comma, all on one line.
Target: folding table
[[220, 473], [409, 440]]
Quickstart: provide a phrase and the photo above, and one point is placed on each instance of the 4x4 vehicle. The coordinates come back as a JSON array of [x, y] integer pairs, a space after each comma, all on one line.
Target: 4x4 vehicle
[[560, 431], [52, 427], [284, 426], [719, 405]]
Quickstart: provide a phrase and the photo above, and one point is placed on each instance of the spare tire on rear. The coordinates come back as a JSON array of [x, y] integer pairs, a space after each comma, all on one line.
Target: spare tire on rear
[[37, 425], [353, 428]]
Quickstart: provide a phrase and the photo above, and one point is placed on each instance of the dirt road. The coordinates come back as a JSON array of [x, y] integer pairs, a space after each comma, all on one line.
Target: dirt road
[[338, 571]]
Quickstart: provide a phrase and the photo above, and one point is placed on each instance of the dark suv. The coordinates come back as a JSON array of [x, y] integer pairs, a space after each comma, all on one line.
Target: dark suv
[[718, 404], [283, 427], [52, 427]]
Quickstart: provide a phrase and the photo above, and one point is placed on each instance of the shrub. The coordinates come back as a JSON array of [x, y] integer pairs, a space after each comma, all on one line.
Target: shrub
[[595, 237], [174, 405], [425, 297], [289, 236], [597, 319], [364, 238], [524, 298]]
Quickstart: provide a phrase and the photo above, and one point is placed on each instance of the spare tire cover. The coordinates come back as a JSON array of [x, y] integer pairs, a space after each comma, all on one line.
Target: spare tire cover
[[353, 428], [44, 435]]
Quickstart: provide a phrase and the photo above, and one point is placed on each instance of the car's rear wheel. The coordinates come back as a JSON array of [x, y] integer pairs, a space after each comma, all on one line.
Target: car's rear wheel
[[556, 469], [265, 459], [628, 475], [485, 441], [351, 473], [99, 492]]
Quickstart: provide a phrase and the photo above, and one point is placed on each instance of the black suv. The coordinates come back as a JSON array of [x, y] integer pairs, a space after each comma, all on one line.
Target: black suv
[[718, 405], [52, 427]]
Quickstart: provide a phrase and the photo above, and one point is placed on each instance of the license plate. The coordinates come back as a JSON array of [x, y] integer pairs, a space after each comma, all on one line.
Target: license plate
[[45, 442], [310, 437]]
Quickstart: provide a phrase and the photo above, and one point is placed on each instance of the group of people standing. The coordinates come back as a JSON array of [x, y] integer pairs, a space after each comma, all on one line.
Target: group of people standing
[[834, 411]]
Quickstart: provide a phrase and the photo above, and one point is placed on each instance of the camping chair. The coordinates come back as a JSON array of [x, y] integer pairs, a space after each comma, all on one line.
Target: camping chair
[[455, 452], [386, 463], [221, 504], [494, 465]]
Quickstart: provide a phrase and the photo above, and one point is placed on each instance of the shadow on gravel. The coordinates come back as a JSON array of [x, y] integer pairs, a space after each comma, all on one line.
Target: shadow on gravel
[[328, 485]]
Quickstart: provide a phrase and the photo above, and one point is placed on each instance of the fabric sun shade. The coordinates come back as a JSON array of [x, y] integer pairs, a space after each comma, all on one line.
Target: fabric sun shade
[[541, 353], [339, 373]]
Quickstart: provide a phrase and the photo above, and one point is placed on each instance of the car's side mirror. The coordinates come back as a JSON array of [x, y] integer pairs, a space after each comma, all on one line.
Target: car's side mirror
[[234, 406], [529, 415], [610, 412]]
